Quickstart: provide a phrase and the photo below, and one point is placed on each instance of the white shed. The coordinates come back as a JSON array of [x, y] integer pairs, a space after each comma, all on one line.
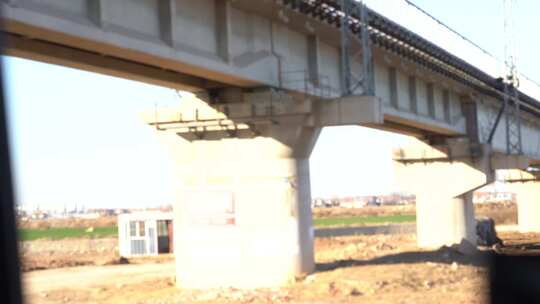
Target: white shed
[[145, 233]]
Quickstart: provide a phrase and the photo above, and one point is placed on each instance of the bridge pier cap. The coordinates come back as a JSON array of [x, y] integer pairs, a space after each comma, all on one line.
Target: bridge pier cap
[[242, 213]]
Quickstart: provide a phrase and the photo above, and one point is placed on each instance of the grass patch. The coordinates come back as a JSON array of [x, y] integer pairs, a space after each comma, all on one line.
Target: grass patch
[[364, 220], [62, 233], [26, 234]]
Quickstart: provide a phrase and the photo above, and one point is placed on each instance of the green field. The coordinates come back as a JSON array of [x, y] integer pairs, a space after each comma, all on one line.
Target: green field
[[363, 220], [62, 233], [112, 231]]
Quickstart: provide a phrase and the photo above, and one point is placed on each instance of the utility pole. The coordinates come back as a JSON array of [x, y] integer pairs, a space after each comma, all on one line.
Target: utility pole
[[355, 41], [511, 83]]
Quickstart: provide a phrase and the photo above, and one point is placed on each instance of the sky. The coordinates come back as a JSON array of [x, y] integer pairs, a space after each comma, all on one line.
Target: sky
[[482, 22], [77, 138]]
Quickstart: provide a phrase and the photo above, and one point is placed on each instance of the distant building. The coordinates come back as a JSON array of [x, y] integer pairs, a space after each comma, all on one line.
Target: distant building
[[120, 211], [362, 201], [353, 203], [493, 197], [39, 215]]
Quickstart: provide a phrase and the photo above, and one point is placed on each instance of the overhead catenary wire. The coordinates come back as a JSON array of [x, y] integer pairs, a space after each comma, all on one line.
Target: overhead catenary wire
[[410, 3], [483, 50]]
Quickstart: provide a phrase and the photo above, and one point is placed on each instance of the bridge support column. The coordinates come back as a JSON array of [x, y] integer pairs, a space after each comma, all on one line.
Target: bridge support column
[[527, 190], [443, 186], [242, 217], [442, 219], [528, 204]]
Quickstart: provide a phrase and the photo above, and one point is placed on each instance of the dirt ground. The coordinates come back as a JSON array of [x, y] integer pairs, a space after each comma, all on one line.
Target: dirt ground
[[46, 254], [359, 269], [49, 254], [356, 269]]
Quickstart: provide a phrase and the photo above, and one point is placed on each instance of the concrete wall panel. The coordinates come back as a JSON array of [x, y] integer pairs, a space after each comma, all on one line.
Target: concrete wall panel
[[292, 47], [330, 65], [242, 33], [438, 102], [404, 98], [382, 83], [196, 24], [422, 97], [297, 50], [456, 114], [261, 33], [531, 138], [137, 16], [281, 38], [73, 7]]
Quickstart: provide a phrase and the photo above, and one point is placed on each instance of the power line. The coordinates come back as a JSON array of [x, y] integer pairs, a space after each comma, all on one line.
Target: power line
[[410, 3], [450, 29], [530, 79]]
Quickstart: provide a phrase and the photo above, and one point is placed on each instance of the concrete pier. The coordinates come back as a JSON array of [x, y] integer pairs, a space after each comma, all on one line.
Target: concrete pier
[[243, 207], [241, 160], [527, 190], [528, 200], [443, 189]]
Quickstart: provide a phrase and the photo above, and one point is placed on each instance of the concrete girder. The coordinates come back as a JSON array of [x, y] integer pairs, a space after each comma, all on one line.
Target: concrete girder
[[89, 61], [244, 45]]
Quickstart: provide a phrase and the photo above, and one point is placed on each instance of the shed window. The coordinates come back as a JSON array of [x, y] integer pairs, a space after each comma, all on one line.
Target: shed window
[[132, 229], [141, 228], [162, 228], [136, 228]]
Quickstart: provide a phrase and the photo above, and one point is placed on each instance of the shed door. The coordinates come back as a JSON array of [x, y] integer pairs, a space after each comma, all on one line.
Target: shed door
[[163, 236], [151, 233]]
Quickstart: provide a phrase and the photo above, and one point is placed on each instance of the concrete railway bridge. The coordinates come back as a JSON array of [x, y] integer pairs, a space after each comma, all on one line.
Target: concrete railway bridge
[[268, 76]]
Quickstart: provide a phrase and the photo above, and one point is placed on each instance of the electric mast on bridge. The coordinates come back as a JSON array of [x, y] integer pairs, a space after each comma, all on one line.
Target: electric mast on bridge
[[511, 83]]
